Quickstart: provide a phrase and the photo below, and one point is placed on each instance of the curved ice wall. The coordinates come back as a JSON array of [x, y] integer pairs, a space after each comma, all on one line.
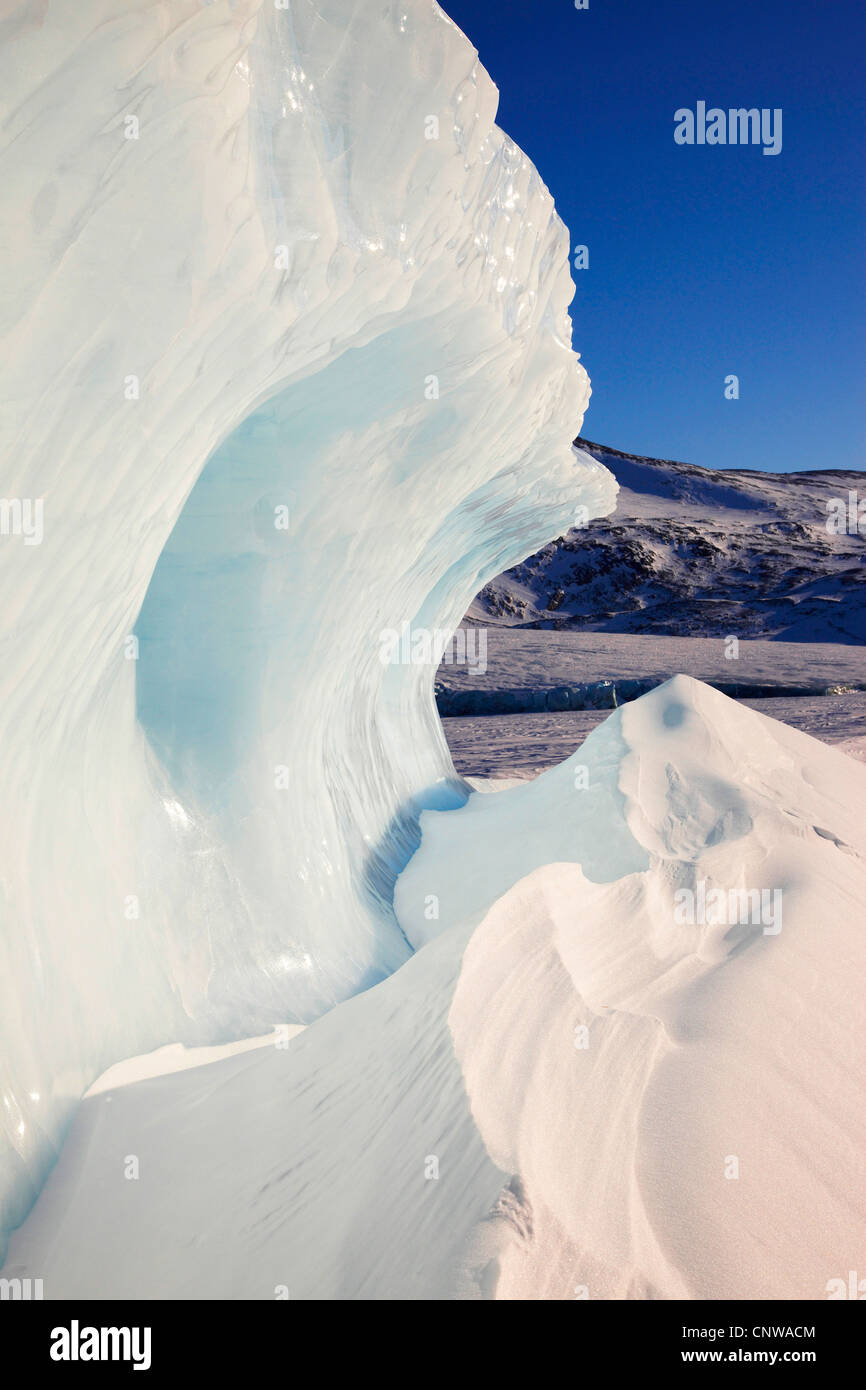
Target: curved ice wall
[[286, 363]]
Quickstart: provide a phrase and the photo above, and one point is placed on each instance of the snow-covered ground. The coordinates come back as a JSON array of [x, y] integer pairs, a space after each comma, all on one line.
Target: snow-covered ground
[[529, 659], [540, 692], [592, 1081], [174, 1057], [522, 745]]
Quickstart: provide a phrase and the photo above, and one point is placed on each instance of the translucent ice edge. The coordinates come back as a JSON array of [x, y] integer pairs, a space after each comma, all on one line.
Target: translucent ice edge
[[287, 365]]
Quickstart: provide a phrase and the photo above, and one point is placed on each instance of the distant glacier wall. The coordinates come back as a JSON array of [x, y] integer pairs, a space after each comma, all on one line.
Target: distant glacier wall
[[286, 363]]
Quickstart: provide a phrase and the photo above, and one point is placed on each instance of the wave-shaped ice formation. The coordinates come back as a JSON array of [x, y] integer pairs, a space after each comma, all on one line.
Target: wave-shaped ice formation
[[286, 363]]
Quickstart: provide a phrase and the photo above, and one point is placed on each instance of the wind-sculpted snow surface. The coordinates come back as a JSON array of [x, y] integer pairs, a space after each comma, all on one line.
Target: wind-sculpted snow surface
[[676, 1081], [286, 364], [618, 1084]]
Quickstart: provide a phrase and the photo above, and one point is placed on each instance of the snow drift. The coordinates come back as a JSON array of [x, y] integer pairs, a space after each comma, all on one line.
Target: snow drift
[[286, 362], [585, 1095]]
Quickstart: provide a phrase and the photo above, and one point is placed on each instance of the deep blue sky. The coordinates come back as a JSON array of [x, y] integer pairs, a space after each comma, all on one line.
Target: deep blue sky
[[706, 260]]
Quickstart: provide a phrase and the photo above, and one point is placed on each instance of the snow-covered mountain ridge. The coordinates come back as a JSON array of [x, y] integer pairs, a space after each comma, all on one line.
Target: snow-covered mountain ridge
[[692, 551]]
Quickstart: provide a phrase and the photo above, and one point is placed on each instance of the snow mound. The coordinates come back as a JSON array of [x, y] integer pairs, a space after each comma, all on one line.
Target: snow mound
[[595, 1081], [679, 1093]]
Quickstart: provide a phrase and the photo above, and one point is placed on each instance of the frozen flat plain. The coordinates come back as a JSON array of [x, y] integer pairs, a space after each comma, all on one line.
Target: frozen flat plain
[[522, 745], [524, 658]]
